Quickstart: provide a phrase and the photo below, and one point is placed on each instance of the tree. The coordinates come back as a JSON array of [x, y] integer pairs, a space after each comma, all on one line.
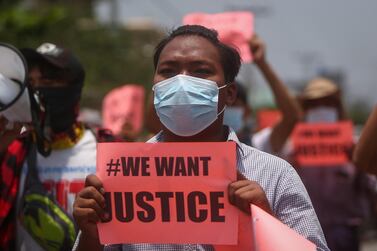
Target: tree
[[112, 56]]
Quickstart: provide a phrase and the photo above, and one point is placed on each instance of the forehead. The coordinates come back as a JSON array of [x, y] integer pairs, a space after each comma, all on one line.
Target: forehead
[[326, 101], [188, 48]]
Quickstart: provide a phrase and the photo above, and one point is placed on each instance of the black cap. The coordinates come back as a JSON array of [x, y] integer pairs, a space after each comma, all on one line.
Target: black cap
[[59, 57]]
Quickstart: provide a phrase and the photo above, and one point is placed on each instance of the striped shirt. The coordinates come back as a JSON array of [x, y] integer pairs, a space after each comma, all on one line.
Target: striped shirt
[[284, 190]]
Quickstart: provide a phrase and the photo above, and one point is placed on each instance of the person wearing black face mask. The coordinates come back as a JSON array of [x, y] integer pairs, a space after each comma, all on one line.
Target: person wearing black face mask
[[56, 76]]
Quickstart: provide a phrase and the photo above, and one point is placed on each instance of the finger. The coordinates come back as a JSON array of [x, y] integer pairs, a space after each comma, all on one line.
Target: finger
[[240, 176], [85, 215], [92, 193], [256, 197], [246, 188], [238, 184], [82, 203], [246, 195], [244, 200], [250, 195], [233, 187], [93, 180]]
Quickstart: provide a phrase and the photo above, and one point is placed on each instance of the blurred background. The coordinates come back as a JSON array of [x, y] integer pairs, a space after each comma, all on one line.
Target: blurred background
[[115, 40]]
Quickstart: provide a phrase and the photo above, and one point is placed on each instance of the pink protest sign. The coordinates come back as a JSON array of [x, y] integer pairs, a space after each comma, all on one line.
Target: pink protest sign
[[234, 28], [268, 118], [263, 232], [123, 109], [245, 236], [177, 189], [272, 235], [322, 144]]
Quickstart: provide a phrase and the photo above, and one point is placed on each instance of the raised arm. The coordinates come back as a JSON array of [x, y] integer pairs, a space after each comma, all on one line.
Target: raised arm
[[365, 154], [286, 103]]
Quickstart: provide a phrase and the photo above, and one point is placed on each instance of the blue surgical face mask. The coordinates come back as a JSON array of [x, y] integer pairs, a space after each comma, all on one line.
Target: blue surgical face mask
[[186, 105], [233, 117], [322, 114]]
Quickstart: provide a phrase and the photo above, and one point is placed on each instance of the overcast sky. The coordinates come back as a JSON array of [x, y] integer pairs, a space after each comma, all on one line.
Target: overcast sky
[[303, 37]]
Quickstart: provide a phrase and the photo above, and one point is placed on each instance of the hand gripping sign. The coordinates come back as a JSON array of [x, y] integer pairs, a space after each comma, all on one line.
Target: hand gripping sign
[[168, 192], [234, 28], [322, 144]]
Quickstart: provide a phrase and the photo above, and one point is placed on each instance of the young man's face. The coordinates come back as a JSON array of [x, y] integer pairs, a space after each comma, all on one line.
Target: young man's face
[[195, 56]]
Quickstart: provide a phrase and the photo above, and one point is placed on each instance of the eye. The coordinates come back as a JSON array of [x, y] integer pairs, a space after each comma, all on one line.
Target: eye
[[202, 72], [167, 72]]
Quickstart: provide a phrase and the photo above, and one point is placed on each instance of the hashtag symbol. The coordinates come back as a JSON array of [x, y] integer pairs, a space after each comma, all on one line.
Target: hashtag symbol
[[113, 167]]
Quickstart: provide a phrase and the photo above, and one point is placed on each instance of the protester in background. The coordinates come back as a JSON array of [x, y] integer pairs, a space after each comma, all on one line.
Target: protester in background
[[193, 83], [365, 154], [238, 116], [321, 101], [338, 193], [46, 186], [123, 111]]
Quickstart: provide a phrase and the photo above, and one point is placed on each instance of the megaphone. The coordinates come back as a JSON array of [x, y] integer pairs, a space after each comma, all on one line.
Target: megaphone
[[14, 96], [17, 103]]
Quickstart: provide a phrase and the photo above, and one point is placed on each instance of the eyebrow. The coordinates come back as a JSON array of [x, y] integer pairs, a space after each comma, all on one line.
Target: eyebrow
[[194, 62]]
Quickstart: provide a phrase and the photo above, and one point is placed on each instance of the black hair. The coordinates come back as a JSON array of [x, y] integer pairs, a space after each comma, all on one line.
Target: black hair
[[230, 58]]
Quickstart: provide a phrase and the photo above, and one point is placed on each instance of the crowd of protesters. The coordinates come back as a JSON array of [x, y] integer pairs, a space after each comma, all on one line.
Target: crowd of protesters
[[195, 98]]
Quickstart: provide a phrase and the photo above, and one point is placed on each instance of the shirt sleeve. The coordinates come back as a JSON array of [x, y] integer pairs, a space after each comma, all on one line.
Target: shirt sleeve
[[294, 208], [117, 247]]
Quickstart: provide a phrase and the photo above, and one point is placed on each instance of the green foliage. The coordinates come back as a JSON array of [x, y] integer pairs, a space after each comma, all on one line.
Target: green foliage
[[22, 27], [112, 56], [358, 112]]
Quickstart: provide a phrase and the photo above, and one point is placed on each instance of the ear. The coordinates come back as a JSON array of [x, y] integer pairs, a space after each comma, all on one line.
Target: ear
[[231, 94]]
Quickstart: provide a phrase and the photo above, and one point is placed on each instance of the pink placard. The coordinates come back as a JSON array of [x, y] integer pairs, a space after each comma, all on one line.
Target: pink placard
[[272, 235], [234, 28], [268, 118], [123, 109], [168, 192], [263, 232], [322, 144], [245, 236]]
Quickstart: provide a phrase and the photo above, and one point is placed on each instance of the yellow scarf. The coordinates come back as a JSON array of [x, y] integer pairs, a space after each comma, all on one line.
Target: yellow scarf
[[64, 140]]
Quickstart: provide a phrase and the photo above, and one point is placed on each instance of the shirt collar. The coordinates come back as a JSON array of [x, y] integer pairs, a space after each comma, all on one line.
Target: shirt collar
[[232, 136]]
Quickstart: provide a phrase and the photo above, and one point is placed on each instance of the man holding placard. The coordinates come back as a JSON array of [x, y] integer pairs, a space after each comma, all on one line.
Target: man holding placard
[[322, 147], [193, 83]]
